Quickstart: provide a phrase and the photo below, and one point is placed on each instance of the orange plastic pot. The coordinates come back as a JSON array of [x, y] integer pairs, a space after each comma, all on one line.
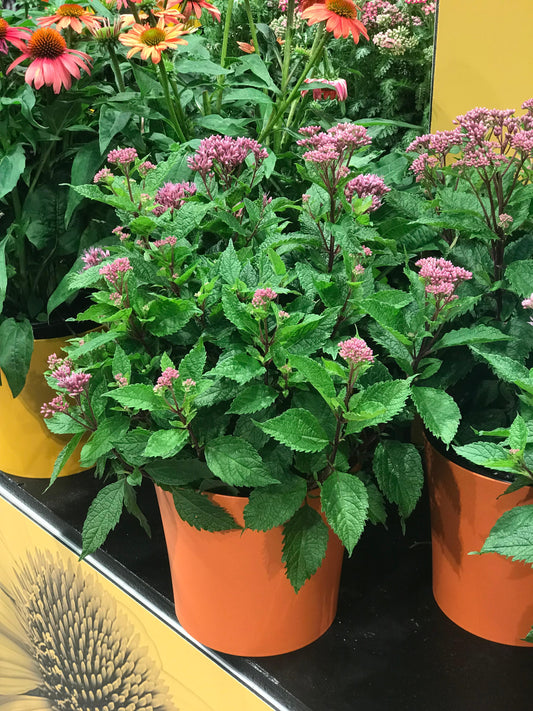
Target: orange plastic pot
[[487, 595], [27, 448], [230, 588]]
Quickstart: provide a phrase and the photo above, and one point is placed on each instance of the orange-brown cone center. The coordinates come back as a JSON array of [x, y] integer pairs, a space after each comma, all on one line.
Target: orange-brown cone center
[[70, 10], [46, 43], [152, 37], [343, 8], [3, 28]]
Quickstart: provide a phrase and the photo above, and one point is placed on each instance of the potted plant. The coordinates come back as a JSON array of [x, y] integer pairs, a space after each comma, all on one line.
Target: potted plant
[[246, 396], [476, 180]]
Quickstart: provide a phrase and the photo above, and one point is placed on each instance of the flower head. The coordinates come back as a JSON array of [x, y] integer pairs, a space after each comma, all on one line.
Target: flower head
[[14, 35], [114, 272], [165, 380], [355, 351], [225, 157], [94, 256], [152, 41], [104, 176], [263, 296], [441, 276], [340, 17], [195, 7], [53, 64], [122, 156], [58, 404], [246, 47], [367, 186], [528, 303], [73, 16], [172, 196], [333, 89]]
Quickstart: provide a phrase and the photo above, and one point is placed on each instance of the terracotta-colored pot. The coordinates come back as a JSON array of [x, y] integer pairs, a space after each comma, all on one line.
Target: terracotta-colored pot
[[488, 595], [230, 588], [27, 448]]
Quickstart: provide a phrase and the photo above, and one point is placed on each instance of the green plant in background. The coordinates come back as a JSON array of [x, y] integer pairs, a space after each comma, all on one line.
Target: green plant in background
[[219, 368]]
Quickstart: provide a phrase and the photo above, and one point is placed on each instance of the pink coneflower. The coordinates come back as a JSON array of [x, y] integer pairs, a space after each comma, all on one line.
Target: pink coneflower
[[333, 89], [340, 17], [14, 35], [53, 64], [73, 16], [195, 7]]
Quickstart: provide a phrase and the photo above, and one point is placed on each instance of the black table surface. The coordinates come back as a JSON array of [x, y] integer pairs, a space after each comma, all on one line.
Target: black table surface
[[390, 647]]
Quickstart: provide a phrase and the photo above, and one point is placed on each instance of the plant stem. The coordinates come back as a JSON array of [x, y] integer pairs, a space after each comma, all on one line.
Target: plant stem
[[179, 108], [251, 23], [115, 65], [224, 52], [171, 108], [287, 46], [318, 45]]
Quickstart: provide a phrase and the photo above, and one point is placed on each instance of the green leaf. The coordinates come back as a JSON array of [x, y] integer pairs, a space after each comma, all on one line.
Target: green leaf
[[388, 396], [16, 348], [166, 443], [345, 504], [121, 364], [398, 470], [315, 374], [86, 162], [518, 433], [193, 364], [520, 276], [111, 122], [240, 367], [3, 272], [470, 336], [505, 368], [236, 462], [486, 454], [305, 541], [252, 399], [202, 513], [438, 410], [138, 397], [298, 429], [63, 457], [392, 345], [11, 168], [512, 535], [61, 423], [272, 506], [102, 517], [177, 472], [102, 440], [167, 316], [92, 341], [377, 512], [229, 266], [237, 313]]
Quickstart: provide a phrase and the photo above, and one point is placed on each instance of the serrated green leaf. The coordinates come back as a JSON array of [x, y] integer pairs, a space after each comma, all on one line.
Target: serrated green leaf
[[236, 462], [484, 453], [512, 535], [518, 433], [102, 517], [398, 470], [62, 424], [102, 440], [252, 399], [470, 336], [305, 541], [240, 367], [132, 507], [389, 395], [137, 396], [193, 364], [63, 457], [392, 345], [167, 316], [3, 272], [520, 276], [200, 512], [298, 429], [237, 313], [177, 472], [345, 504], [121, 363], [377, 512], [315, 374], [272, 506], [229, 266], [166, 443], [91, 342], [438, 410], [505, 368]]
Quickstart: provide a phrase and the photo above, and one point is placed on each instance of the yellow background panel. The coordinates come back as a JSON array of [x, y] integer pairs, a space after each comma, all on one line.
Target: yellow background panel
[[48, 598], [484, 57]]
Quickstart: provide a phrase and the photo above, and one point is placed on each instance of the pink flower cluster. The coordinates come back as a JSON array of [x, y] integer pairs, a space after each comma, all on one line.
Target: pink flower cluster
[[114, 272], [356, 351], [263, 296], [119, 231], [528, 304], [94, 256], [396, 40], [172, 196], [58, 404], [331, 151], [104, 176], [74, 382], [381, 13], [364, 186], [121, 380], [122, 156], [165, 380], [441, 276], [224, 156], [338, 91], [145, 167], [170, 240]]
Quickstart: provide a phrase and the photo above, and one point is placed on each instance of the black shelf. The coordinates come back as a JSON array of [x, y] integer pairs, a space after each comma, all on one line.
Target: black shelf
[[390, 646]]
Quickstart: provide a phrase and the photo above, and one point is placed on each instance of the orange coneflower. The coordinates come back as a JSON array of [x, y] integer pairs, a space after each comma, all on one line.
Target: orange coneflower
[[14, 35], [340, 17], [170, 15], [151, 41], [194, 7], [70, 15], [53, 64]]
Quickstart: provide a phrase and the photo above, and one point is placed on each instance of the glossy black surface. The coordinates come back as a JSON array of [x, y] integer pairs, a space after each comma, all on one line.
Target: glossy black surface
[[390, 646]]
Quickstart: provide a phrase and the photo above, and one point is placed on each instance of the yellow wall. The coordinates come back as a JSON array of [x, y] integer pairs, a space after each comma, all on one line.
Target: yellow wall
[[484, 57]]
